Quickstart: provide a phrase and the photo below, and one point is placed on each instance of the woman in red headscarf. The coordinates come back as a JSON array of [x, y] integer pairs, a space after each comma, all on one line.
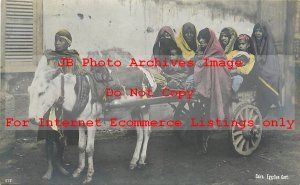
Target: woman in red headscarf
[[212, 83]]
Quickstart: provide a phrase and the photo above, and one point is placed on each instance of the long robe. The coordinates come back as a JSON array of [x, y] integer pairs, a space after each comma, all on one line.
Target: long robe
[[214, 82], [269, 77], [161, 49], [53, 58]]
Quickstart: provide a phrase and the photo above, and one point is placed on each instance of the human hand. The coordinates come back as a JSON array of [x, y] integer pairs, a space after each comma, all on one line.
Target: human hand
[[60, 100]]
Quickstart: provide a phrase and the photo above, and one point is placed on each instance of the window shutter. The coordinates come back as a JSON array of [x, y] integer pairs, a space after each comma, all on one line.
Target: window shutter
[[20, 35]]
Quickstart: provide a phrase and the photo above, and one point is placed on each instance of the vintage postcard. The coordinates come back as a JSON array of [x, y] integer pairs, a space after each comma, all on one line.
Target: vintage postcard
[[154, 92]]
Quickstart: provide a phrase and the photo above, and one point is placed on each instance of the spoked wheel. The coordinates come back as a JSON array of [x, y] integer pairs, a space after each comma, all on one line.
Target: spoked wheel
[[184, 112], [245, 141]]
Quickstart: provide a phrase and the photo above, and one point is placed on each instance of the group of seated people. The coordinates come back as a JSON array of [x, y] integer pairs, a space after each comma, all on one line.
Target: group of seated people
[[260, 66]]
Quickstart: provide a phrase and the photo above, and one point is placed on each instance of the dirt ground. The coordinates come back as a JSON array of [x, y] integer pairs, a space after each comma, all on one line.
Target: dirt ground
[[168, 162]]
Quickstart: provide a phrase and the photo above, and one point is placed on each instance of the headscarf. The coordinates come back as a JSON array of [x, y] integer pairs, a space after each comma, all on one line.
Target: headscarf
[[232, 35], [188, 49], [161, 49], [163, 44], [54, 57], [164, 29], [246, 38], [267, 60], [214, 48], [65, 34], [214, 82], [204, 34], [165, 47]]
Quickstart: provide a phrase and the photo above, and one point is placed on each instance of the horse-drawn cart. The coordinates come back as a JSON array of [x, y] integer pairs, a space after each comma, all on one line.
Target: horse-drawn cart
[[43, 92], [244, 140]]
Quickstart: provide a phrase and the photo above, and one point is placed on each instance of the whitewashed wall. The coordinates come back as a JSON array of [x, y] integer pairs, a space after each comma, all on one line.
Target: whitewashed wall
[[123, 23], [0, 33]]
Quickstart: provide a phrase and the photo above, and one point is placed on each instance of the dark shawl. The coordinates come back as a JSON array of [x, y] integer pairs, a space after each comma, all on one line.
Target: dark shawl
[[54, 57], [267, 60], [186, 26], [214, 82], [162, 46]]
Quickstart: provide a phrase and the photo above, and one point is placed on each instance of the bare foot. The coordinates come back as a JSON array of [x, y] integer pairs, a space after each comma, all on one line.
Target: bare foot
[[48, 174], [89, 176], [132, 166], [87, 180], [77, 172], [62, 170]]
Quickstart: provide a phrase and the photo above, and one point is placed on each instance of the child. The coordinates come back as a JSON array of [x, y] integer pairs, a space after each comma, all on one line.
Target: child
[[175, 75], [243, 51]]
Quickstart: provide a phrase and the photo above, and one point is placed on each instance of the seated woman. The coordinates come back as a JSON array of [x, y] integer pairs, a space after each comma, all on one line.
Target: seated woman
[[186, 40], [212, 83], [165, 47], [163, 42], [227, 39], [161, 48], [269, 75], [244, 52]]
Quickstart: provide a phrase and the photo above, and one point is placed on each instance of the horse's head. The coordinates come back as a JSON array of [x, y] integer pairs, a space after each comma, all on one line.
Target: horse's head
[[44, 91]]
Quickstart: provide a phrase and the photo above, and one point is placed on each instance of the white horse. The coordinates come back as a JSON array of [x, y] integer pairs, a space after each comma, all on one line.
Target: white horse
[[45, 91]]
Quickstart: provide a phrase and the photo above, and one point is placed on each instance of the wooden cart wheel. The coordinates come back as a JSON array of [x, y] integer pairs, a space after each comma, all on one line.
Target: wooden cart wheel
[[245, 141], [184, 112]]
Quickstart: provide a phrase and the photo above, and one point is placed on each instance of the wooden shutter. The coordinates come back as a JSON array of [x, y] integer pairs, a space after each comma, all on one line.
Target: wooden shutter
[[21, 35]]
